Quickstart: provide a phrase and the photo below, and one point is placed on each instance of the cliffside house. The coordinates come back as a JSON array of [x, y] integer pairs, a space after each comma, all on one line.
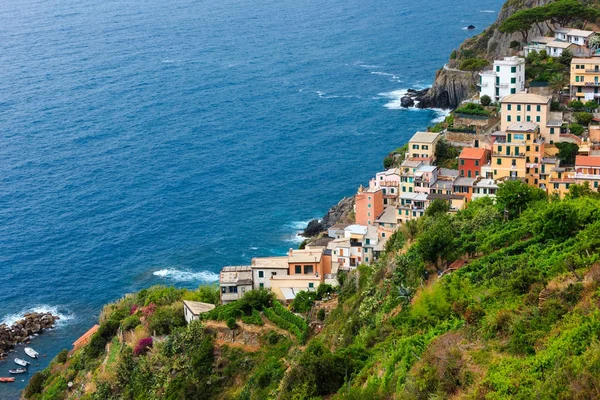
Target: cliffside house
[[585, 79], [368, 205], [422, 146], [263, 268], [193, 309], [471, 160], [529, 107], [506, 77], [234, 282], [576, 40], [587, 169]]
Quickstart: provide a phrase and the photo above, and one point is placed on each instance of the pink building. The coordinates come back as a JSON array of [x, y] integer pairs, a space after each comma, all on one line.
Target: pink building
[[389, 182], [368, 205], [424, 176]]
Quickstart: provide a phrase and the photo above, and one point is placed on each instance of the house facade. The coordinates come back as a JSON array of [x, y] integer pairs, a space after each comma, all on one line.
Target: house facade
[[506, 77], [368, 205], [422, 145], [471, 160], [585, 79], [234, 282], [529, 107]]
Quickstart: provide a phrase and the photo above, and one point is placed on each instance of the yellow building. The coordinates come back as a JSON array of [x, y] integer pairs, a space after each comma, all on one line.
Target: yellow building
[[422, 145], [585, 79], [519, 153], [534, 108]]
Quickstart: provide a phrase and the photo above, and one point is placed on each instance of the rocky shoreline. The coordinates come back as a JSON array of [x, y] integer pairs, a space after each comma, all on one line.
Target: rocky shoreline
[[413, 98], [339, 213], [22, 330]]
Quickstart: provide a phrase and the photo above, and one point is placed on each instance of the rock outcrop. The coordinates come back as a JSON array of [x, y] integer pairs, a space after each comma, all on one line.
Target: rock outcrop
[[340, 213], [22, 330], [451, 85]]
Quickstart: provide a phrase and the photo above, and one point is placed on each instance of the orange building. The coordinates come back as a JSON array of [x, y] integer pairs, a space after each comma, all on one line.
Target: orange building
[[368, 205], [471, 160]]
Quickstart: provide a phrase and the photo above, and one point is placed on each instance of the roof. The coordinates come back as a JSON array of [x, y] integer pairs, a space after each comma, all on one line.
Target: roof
[[527, 98], [426, 168], [356, 229], [241, 268], [435, 196], [464, 181], [584, 61], [320, 242], [587, 161], [486, 183], [236, 275], [414, 196], [441, 184], [424, 137], [388, 216], [270, 262], [448, 172], [522, 127], [475, 153], [411, 163], [302, 256], [559, 44], [85, 338], [541, 39], [339, 226], [575, 32], [198, 307]]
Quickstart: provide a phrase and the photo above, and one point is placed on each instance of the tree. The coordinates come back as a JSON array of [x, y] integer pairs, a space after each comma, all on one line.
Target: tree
[[485, 100], [521, 22], [514, 196], [435, 241], [583, 118], [557, 82], [591, 105], [584, 190], [576, 129], [567, 152], [576, 105], [437, 206], [565, 58]]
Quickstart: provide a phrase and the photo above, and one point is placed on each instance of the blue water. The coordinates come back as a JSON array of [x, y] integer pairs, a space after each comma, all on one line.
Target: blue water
[[155, 142]]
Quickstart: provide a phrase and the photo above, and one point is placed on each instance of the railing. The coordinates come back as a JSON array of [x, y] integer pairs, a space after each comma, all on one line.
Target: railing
[[502, 85], [593, 70], [579, 175]]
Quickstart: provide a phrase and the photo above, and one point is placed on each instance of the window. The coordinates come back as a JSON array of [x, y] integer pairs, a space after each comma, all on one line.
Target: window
[[462, 172], [508, 107], [425, 147], [308, 269], [469, 173], [518, 107], [556, 186], [497, 68], [538, 108], [382, 235], [517, 151], [514, 163], [518, 118], [273, 273], [528, 107], [508, 118], [513, 70], [298, 268], [261, 274], [499, 149], [476, 173], [415, 146], [527, 148], [513, 80], [551, 131], [498, 161], [576, 78], [369, 205], [462, 162], [232, 289], [261, 285], [477, 163], [224, 289], [537, 119], [311, 285], [528, 118], [519, 136], [513, 91]]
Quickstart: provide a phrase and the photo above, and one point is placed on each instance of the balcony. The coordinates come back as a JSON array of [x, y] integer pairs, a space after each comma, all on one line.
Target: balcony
[[502, 85], [596, 70], [579, 175], [483, 84]]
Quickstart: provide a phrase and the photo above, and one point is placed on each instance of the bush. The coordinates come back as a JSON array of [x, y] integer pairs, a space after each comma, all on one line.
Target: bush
[[583, 118], [231, 324], [61, 357], [485, 100], [165, 319], [473, 109], [36, 383], [324, 290], [473, 64], [321, 314], [130, 322], [253, 319], [304, 301], [388, 162], [591, 105], [576, 129], [143, 346]]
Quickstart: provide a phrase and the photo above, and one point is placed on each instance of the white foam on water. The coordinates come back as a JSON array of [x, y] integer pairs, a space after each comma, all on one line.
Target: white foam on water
[[294, 238], [64, 315], [369, 66], [395, 98], [487, 11], [441, 115], [179, 275], [253, 248]]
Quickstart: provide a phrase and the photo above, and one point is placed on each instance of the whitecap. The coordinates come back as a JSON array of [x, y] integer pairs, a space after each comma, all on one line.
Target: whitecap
[[178, 275], [253, 248], [294, 238], [299, 225], [487, 11], [168, 61], [64, 315], [369, 66], [441, 115]]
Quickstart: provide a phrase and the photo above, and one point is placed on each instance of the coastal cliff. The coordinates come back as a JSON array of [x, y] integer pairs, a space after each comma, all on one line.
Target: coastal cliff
[[452, 85]]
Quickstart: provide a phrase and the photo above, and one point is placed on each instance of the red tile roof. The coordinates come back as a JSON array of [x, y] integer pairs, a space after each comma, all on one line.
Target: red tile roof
[[472, 153], [85, 338], [587, 161]]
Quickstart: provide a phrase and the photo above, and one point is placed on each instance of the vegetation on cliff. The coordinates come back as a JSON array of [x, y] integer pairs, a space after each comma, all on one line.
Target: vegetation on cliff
[[497, 301]]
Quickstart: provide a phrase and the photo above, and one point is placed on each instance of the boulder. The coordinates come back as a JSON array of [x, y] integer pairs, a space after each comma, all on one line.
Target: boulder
[[407, 101], [313, 229]]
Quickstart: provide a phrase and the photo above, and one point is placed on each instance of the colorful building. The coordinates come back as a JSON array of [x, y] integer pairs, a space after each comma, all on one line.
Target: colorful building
[[587, 169], [422, 146], [585, 79], [506, 77], [368, 205], [235, 282], [471, 160], [534, 108]]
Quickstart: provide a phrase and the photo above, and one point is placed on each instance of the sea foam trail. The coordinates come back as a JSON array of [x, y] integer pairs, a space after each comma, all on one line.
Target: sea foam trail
[[178, 275], [64, 315]]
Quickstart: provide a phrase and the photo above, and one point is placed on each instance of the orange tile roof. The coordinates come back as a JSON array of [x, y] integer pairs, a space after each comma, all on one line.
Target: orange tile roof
[[587, 161], [472, 153], [85, 338]]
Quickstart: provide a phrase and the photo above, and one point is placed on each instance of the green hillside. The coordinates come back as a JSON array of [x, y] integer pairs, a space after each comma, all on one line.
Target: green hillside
[[498, 301]]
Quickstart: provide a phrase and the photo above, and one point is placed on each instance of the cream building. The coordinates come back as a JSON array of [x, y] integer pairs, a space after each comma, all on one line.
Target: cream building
[[534, 108], [422, 145]]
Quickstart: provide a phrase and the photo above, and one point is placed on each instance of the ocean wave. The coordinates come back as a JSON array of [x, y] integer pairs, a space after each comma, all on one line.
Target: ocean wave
[[299, 225], [64, 315], [294, 238], [487, 11], [441, 115], [323, 95], [369, 66], [178, 275], [392, 77]]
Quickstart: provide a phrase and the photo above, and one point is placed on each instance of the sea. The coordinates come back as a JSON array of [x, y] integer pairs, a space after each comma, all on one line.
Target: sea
[[154, 142]]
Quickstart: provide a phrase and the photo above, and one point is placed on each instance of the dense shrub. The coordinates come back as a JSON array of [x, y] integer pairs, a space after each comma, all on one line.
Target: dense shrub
[[231, 324], [253, 319], [130, 322], [143, 346], [304, 301], [485, 100], [165, 319], [583, 118], [36, 383], [576, 129], [321, 314], [473, 109]]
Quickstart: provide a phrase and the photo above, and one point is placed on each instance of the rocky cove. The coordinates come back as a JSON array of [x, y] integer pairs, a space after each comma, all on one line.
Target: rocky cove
[[22, 330]]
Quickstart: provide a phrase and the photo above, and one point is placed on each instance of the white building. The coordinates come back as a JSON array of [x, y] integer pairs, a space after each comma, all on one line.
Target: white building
[[193, 309], [235, 281], [506, 77], [575, 36], [360, 244], [264, 268]]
